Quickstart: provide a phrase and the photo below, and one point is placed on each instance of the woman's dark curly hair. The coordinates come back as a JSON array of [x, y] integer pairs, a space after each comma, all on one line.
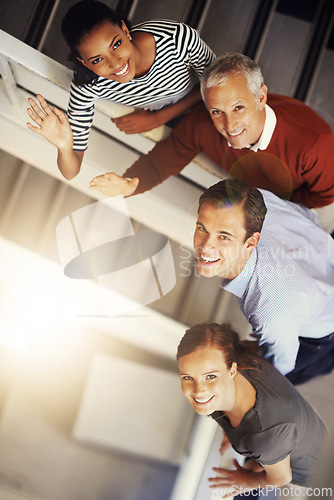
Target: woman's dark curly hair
[[224, 338], [80, 20]]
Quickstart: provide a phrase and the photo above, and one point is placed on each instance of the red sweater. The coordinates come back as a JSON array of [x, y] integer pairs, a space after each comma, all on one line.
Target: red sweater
[[298, 164]]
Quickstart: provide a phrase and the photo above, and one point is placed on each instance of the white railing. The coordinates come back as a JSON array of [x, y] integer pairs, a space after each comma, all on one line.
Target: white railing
[[25, 71]]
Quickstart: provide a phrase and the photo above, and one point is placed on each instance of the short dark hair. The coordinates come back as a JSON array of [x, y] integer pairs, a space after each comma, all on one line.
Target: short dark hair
[[224, 338], [80, 20], [235, 192]]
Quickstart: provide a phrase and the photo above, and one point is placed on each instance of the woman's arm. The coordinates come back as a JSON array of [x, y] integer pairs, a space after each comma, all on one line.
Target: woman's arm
[[225, 444], [142, 121], [250, 477], [54, 126], [69, 162], [198, 55]]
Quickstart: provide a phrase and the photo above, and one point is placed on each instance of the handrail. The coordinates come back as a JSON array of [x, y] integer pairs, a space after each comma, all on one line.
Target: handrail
[[30, 72]]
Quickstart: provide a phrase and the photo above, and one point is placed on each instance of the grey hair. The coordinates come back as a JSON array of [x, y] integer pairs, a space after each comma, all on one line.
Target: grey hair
[[225, 66]]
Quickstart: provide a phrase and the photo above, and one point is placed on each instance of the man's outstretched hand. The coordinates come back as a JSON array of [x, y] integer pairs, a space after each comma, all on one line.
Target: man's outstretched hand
[[112, 184]]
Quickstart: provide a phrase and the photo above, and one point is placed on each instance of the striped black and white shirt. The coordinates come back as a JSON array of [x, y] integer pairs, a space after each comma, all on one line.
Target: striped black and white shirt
[[181, 57]]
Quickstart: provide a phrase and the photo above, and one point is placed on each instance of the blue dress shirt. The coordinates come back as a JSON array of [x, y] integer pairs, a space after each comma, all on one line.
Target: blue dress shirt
[[286, 288]]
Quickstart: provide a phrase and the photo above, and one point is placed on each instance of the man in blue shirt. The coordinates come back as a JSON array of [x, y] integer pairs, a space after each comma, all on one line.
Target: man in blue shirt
[[279, 263]]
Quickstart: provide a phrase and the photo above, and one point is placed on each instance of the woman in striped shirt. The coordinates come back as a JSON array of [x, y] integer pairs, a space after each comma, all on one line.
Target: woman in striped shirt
[[154, 68]]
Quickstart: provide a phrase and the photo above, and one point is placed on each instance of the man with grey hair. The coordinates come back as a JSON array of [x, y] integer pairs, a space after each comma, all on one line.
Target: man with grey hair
[[217, 74], [269, 141], [236, 97]]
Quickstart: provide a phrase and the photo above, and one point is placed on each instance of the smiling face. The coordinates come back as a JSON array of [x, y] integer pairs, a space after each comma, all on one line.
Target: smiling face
[[236, 113], [206, 381], [219, 241], [108, 51]]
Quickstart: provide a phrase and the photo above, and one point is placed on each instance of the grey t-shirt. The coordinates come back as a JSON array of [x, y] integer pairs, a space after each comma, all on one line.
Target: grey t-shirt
[[280, 423]]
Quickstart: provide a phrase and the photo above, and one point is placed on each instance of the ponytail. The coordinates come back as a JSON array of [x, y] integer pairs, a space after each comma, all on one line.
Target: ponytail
[[224, 338]]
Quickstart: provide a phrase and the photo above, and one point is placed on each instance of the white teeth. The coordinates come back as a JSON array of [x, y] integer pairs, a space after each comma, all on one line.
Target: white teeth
[[236, 133], [209, 259], [123, 71], [203, 400]]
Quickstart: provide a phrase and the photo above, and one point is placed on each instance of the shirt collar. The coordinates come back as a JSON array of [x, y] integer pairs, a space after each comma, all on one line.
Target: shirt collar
[[238, 285], [268, 130]]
